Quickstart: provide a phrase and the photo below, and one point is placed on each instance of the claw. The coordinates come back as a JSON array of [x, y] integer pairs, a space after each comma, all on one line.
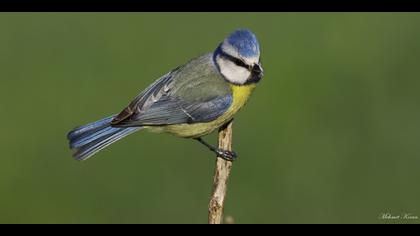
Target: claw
[[227, 155]]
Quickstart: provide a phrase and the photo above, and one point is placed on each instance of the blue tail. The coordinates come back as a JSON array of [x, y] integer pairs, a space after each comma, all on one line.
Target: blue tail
[[91, 138]]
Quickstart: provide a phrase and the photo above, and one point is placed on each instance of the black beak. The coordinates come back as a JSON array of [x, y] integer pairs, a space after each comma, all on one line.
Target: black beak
[[258, 70]]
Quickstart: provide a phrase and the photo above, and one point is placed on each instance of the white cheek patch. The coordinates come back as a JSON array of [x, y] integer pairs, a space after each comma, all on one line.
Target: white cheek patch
[[232, 72]]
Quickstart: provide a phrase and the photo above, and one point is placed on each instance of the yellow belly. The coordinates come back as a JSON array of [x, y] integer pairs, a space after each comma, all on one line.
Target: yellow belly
[[240, 96]]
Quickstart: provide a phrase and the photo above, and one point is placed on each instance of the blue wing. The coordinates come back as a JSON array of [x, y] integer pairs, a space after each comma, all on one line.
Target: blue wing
[[160, 105], [172, 110]]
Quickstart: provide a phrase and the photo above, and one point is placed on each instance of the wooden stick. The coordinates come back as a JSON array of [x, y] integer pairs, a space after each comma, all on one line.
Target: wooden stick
[[221, 176]]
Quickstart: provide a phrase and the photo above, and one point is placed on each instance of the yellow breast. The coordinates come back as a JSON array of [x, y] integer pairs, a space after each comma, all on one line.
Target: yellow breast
[[240, 96]]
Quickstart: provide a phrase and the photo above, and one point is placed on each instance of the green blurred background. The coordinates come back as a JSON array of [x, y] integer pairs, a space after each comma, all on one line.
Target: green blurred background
[[331, 135]]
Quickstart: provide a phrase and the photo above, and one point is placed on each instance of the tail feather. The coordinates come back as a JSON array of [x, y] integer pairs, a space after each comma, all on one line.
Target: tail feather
[[87, 137], [91, 138], [86, 129]]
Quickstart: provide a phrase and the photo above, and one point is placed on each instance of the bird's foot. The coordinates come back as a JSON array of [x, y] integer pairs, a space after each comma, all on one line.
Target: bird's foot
[[226, 155]]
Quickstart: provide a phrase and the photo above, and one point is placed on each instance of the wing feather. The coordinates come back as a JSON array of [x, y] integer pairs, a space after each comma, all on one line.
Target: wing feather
[[193, 93]]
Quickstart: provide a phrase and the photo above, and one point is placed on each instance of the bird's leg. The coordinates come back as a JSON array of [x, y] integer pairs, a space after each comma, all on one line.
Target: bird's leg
[[225, 154]]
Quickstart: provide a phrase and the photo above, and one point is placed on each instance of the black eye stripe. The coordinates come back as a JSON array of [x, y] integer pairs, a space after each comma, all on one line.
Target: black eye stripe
[[235, 60]]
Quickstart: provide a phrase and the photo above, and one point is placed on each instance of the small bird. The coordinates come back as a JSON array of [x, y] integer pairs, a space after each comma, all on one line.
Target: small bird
[[190, 101]]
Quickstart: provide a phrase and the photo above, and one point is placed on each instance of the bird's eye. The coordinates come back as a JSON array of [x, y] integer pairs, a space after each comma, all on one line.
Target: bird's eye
[[237, 61], [241, 63]]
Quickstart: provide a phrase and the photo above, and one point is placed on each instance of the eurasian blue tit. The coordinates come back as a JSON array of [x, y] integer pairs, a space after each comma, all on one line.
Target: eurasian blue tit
[[190, 101]]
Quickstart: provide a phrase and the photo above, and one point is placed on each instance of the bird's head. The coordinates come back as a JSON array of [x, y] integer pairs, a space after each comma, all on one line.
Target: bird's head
[[238, 58]]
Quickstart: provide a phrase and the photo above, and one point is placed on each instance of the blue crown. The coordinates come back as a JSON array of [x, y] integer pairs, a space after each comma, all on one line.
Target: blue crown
[[245, 42]]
